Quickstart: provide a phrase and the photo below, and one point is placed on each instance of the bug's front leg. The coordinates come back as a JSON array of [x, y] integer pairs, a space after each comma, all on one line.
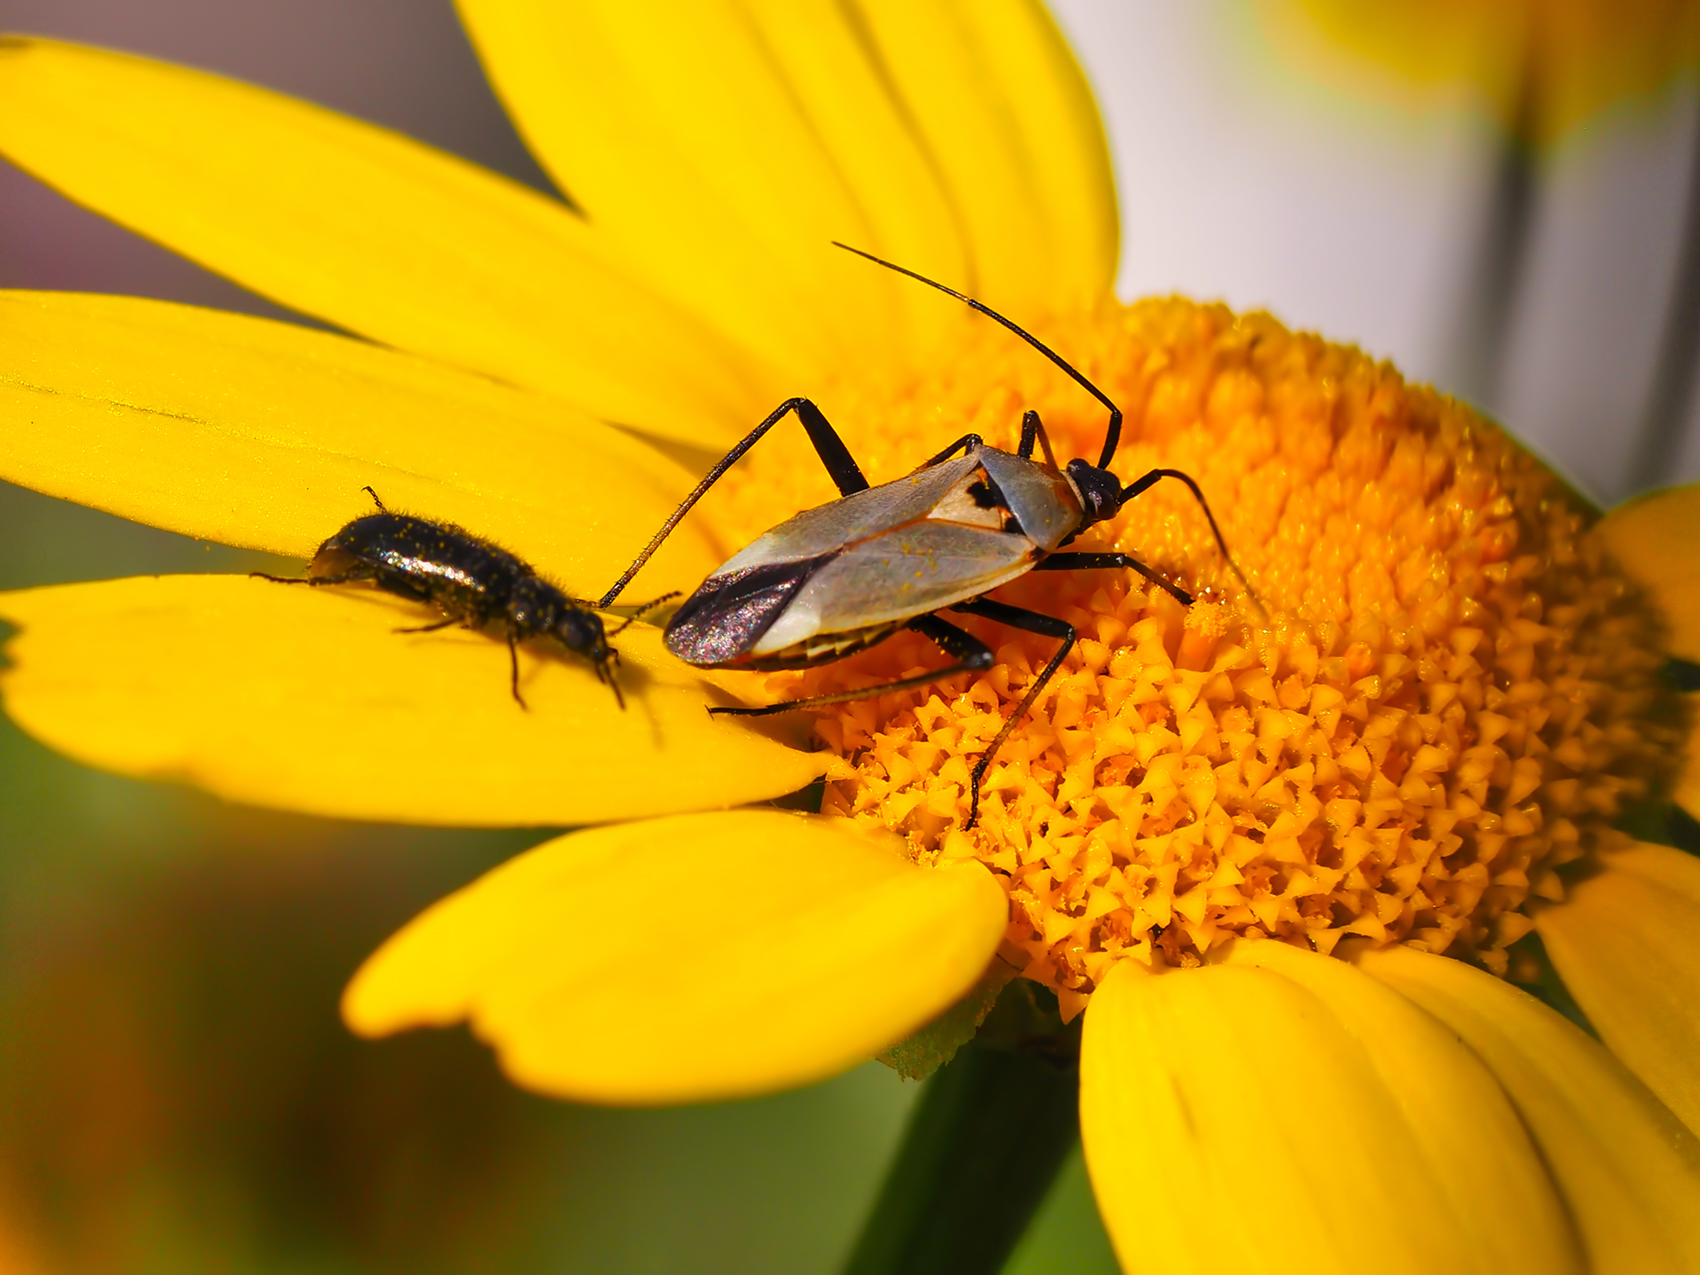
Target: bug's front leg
[[1072, 561]]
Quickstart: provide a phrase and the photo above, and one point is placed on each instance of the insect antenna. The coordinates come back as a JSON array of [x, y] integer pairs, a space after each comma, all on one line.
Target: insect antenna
[[641, 611], [1112, 436]]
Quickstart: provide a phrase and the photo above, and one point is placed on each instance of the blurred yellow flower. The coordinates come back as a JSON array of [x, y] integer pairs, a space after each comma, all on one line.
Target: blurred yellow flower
[[1544, 66], [1410, 758]]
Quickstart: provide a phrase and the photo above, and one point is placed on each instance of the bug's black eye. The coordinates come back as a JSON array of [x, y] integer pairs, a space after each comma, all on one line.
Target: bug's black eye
[[1100, 491]]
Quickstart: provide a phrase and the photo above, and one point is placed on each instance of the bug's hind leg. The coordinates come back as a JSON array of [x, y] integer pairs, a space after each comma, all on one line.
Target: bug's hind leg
[[1032, 622], [846, 473], [971, 655], [427, 628]]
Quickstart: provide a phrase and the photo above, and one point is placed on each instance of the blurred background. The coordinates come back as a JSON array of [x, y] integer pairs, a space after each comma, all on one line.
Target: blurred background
[[1499, 195]]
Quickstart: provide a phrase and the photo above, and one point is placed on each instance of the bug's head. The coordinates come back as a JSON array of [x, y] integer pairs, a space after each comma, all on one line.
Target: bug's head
[[582, 631], [1100, 491]]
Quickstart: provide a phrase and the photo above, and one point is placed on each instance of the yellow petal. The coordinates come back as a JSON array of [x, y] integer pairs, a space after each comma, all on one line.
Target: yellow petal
[[688, 959], [374, 232], [959, 139], [1628, 1171], [1473, 1145], [1236, 1118], [262, 434], [1007, 111], [1627, 944], [307, 699], [1657, 539]]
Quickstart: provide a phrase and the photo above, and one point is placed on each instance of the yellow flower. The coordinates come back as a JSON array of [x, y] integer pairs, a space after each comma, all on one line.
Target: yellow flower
[[1408, 753], [1543, 66]]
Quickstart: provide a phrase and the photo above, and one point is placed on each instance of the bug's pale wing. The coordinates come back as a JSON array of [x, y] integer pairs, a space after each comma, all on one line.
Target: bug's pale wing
[[897, 576], [853, 518], [1042, 500]]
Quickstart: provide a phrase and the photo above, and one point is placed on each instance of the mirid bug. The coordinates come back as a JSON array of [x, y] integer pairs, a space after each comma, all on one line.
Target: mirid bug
[[470, 580], [839, 578]]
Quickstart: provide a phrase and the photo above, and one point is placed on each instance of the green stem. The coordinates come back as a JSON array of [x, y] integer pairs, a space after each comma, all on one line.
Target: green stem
[[987, 1137]]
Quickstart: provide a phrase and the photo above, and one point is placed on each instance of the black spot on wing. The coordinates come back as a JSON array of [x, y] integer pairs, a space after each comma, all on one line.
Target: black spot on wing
[[986, 494], [727, 616]]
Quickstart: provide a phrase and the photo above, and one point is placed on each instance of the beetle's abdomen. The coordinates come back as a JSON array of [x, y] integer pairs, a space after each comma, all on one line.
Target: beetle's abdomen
[[720, 622]]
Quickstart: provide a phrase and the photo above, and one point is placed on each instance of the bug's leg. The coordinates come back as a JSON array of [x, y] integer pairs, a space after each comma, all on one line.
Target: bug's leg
[[375, 500], [638, 614], [846, 473], [968, 442], [1033, 431], [1033, 622], [1146, 481], [429, 628], [513, 666], [971, 655], [1111, 561]]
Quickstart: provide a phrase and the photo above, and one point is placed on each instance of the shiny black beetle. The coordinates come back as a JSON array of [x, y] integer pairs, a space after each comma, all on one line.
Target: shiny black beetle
[[840, 578], [471, 581]]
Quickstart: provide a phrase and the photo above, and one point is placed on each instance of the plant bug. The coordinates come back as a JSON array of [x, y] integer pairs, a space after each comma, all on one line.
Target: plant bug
[[466, 577], [839, 578]]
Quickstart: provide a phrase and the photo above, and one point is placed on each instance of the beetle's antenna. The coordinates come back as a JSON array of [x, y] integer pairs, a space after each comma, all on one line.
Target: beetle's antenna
[[643, 610], [375, 500], [1112, 436]]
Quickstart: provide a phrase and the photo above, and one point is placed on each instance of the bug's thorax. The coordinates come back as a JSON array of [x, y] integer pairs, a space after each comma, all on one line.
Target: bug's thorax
[[1029, 497]]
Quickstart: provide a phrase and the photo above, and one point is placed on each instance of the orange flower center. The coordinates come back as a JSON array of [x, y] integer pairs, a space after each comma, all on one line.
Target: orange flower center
[[1446, 693]]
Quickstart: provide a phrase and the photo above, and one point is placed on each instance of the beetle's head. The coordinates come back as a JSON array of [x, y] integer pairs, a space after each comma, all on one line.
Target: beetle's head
[[582, 631], [1100, 491]]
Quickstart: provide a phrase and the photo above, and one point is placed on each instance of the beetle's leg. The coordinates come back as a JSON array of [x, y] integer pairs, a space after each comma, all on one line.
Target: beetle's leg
[[1033, 431], [429, 628], [375, 500], [971, 655], [513, 666], [1033, 622], [1111, 561], [968, 442], [846, 473], [347, 577]]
